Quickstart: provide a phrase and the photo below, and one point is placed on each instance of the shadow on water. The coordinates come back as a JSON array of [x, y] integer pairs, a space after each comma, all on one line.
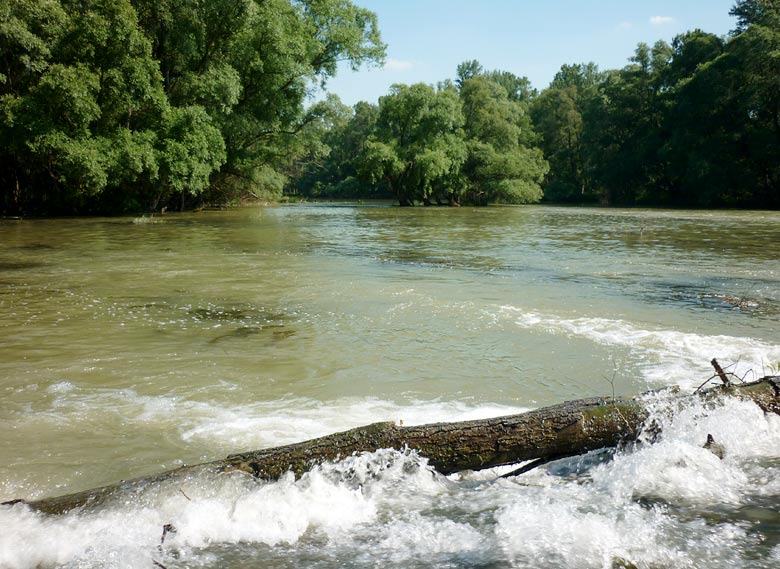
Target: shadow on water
[[229, 322], [270, 333], [36, 247], [19, 265]]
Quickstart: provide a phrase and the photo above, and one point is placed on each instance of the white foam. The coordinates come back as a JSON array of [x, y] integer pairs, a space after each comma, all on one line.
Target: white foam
[[330, 500], [677, 469], [418, 537], [388, 508], [549, 521], [259, 424], [561, 528], [670, 356]]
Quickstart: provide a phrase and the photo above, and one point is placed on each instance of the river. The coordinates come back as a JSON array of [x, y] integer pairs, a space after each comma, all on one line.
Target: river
[[133, 345]]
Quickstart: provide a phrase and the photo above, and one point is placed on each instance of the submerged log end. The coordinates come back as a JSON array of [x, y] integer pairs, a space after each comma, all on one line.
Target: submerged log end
[[765, 393], [63, 504]]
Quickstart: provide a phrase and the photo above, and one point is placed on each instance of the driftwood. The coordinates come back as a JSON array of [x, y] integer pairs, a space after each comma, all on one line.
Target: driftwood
[[542, 435]]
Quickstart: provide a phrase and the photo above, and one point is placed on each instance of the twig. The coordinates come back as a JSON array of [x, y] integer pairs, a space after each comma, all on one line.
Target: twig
[[719, 371], [167, 528], [751, 370], [706, 381], [733, 374], [612, 380]]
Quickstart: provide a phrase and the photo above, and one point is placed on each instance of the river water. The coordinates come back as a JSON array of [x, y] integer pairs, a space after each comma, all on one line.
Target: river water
[[130, 346]]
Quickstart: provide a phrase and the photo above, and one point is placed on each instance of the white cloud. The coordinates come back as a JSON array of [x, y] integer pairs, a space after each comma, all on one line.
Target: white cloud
[[397, 65], [661, 20], [625, 26]]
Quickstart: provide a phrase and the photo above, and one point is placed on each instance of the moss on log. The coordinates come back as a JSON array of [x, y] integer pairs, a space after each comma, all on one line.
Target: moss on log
[[567, 429]]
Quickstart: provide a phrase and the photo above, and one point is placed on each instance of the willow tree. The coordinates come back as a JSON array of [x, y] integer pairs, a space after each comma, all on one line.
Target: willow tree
[[251, 64], [503, 163], [418, 147], [82, 104], [130, 104]]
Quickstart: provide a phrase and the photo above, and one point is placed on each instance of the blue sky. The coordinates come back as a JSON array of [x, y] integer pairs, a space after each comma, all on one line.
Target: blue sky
[[427, 39]]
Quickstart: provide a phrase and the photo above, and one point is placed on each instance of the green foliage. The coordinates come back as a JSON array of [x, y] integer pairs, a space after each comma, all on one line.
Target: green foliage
[[503, 164], [558, 117], [337, 143], [192, 149], [694, 123], [281, 49], [470, 141], [113, 104], [415, 148], [79, 107], [757, 12]]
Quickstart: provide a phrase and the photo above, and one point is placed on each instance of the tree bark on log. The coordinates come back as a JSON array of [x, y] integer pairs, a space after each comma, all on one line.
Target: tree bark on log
[[567, 429]]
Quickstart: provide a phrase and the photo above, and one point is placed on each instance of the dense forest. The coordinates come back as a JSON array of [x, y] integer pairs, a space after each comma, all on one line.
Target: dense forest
[[110, 106], [128, 105]]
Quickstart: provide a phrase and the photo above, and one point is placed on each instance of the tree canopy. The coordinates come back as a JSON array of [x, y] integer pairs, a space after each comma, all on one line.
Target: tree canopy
[[114, 105], [132, 105], [471, 141], [693, 123]]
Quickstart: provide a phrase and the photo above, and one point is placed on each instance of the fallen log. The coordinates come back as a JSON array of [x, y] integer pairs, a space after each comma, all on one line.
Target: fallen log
[[567, 429]]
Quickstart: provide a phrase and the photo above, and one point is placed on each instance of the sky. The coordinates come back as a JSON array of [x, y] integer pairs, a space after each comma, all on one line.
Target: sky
[[427, 39]]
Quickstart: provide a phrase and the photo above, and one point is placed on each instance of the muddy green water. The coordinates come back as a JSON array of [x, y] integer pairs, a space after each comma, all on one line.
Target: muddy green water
[[132, 345]]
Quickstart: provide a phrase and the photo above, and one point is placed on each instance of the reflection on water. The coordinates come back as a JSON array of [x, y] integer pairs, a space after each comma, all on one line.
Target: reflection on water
[[132, 347]]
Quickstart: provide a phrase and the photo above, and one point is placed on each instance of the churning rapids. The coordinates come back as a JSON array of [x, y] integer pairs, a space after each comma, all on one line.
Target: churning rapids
[[131, 346]]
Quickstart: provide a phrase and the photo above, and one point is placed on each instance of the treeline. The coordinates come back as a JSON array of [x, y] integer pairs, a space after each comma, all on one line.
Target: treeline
[[470, 141], [111, 106], [128, 105], [695, 123]]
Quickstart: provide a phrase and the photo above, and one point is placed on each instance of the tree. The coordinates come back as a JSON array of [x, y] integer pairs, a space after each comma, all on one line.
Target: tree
[[759, 12], [333, 139], [697, 149], [558, 117], [133, 104], [251, 64], [470, 141], [503, 163], [467, 70], [725, 116], [624, 128], [82, 106], [517, 89], [418, 146]]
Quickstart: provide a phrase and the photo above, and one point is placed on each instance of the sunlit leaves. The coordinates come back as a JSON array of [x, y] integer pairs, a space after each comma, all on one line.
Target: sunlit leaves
[[192, 149], [131, 103], [217, 89], [503, 164], [66, 97], [417, 146], [447, 145], [28, 29]]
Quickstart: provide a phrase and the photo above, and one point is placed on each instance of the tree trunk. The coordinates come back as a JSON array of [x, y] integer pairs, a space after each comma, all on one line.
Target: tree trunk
[[566, 429]]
